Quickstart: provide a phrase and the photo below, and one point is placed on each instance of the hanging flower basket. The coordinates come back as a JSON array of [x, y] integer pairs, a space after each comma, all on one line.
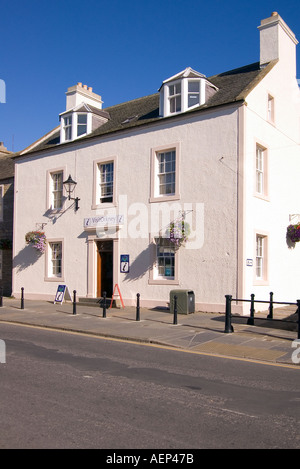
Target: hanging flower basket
[[37, 239], [293, 232], [5, 244], [178, 232]]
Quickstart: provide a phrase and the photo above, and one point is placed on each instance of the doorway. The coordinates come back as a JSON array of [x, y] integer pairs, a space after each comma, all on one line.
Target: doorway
[[104, 268]]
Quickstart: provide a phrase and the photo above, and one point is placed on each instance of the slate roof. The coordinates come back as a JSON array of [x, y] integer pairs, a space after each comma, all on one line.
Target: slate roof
[[233, 87], [7, 167]]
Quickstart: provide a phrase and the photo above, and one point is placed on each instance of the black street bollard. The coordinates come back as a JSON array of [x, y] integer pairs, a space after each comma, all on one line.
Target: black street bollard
[[251, 318], [270, 315], [1, 297], [137, 307], [104, 304], [175, 310], [22, 298], [74, 301], [298, 303], [228, 326]]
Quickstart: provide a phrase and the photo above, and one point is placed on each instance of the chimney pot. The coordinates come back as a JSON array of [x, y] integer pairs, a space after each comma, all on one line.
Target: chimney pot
[[274, 13], [79, 84], [90, 88], [84, 87]]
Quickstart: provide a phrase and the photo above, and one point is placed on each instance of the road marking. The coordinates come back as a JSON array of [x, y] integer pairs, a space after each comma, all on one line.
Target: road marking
[[150, 344], [240, 413]]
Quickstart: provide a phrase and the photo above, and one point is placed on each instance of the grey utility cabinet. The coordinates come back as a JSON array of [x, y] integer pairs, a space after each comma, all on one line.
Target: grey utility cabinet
[[185, 301]]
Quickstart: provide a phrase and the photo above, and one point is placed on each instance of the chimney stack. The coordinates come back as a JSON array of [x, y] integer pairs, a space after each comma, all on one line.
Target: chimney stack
[[82, 94], [3, 149], [277, 41]]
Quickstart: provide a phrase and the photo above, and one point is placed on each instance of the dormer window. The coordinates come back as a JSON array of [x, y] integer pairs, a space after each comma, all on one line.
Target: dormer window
[[184, 91], [73, 125], [83, 113]]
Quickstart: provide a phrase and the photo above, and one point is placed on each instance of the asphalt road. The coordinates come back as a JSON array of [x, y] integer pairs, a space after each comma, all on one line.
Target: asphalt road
[[62, 390]]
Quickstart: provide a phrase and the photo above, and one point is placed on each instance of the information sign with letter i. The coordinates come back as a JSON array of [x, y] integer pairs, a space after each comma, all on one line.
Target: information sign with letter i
[[62, 293]]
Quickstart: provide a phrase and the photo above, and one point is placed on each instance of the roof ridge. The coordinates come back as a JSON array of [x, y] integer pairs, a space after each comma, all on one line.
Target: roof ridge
[[131, 101], [235, 70]]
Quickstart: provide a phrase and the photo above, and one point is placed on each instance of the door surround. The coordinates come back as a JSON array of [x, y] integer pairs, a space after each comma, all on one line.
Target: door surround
[[92, 263]]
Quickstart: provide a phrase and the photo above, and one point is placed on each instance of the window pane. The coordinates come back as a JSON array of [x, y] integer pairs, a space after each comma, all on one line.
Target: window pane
[[82, 118], [81, 124], [259, 256], [172, 105], [56, 259], [106, 182], [194, 86], [57, 190], [68, 127], [68, 133], [165, 258], [193, 93], [193, 99], [166, 172], [81, 130], [259, 268], [259, 170], [259, 158], [175, 97], [259, 183]]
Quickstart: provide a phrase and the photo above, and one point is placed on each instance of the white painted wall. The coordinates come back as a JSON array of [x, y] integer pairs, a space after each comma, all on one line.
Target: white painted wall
[[271, 216]]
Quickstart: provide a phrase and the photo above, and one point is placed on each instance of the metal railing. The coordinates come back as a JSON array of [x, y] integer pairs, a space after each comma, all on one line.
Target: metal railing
[[252, 301]]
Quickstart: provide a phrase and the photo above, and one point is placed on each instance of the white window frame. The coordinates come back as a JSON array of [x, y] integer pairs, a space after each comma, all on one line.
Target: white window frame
[[57, 193], [155, 195], [156, 277], [96, 204], [70, 125], [165, 259], [169, 94], [261, 189], [166, 172], [1, 202], [261, 258], [49, 274], [190, 93], [80, 125], [49, 189], [106, 182], [175, 96], [67, 127]]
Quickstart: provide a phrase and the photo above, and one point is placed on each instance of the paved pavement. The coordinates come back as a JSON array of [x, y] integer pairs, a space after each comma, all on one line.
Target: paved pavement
[[271, 341]]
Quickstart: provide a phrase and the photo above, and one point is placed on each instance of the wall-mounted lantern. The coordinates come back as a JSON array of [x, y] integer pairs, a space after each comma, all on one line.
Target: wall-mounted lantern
[[70, 185]]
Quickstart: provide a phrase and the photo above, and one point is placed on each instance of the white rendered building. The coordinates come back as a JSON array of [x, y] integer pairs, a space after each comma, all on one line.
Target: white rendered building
[[220, 154]]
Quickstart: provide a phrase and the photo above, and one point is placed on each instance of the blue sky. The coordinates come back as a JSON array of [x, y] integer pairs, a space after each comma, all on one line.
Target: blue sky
[[124, 49]]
